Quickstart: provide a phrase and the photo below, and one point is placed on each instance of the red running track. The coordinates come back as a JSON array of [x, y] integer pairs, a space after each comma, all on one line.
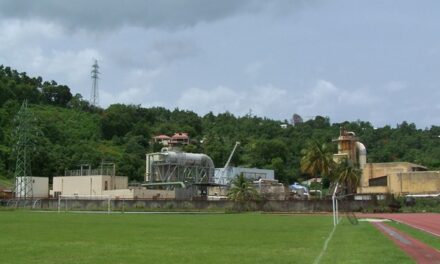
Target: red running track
[[428, 222], [417, 250]]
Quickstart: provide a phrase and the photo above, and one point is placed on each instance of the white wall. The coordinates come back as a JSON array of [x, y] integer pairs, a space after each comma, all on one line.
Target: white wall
[[40, 187], [88, 185]]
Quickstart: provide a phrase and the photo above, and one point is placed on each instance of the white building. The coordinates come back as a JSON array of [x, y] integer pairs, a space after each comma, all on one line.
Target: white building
[[32, 187], [88, 185], [222, 176]]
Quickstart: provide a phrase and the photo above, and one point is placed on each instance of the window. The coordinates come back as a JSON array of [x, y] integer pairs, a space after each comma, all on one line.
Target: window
[[379, 181]]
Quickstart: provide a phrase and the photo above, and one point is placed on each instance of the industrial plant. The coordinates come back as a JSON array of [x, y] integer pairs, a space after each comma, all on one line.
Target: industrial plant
[[172, 174]]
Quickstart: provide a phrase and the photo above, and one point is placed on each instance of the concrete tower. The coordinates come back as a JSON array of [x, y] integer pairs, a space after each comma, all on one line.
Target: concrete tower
[[349, 147]]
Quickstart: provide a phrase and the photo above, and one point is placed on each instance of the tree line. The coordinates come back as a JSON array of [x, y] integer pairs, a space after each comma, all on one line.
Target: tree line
[[74, 132]]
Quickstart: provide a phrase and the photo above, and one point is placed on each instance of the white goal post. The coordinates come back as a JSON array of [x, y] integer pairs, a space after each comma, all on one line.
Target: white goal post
[[72, 198], [335, 206]]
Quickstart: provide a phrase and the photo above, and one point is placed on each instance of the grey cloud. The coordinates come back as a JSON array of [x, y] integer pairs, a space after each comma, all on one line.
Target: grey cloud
[[109, 14], [100, 14], [152, 55]]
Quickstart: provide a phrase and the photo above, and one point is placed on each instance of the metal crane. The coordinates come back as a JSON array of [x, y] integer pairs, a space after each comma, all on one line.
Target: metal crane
[[222, 179], [230, 156]]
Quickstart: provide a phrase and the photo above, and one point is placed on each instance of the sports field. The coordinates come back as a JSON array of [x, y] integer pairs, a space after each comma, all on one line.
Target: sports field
[[32, 237]]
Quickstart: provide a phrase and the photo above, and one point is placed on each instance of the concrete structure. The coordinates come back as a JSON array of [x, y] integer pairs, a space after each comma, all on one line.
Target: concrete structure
[[115, 187], [224, 176], [271, 189], [39, 186], [305, 206], [350, 148], [268, 189], [397, 178], [141, 193], [87, 185]]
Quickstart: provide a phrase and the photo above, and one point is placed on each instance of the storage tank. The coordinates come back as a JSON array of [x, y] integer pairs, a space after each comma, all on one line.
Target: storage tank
[[362, 154], [168, 166], [188, 159]]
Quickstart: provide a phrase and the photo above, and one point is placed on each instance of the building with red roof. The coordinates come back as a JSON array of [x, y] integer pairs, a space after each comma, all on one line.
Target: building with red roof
[[180, 138], [163, 139]]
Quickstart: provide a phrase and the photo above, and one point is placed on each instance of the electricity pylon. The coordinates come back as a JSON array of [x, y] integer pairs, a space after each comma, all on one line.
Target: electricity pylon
[[25, 132], [94, 98]]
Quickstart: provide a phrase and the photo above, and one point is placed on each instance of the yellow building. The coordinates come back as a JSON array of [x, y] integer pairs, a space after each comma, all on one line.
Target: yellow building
[[397, 178]]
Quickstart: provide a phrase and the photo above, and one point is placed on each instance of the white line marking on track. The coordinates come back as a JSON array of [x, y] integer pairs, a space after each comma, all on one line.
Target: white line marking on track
[[416, 227]]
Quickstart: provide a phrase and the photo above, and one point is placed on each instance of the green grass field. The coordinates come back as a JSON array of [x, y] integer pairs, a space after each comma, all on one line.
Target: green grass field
[[32, 237]]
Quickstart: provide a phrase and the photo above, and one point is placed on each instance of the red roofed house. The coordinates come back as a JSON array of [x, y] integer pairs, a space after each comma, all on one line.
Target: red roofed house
[[179, 139], [163, 139]]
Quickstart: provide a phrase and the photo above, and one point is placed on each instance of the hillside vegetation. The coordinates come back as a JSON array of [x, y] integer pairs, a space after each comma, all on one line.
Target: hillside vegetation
[[73, 133]]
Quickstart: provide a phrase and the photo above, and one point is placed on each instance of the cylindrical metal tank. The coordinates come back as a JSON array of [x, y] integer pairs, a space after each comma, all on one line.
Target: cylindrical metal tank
[[174, 166], [188, 159], [362, 153]]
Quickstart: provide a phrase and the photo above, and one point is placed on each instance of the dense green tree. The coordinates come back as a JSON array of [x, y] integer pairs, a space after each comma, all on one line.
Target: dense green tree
[[74, 132], [118, 120], [216, 147], [317, 159], [261, 152], [77, 102], [56, 94], [347, 174]]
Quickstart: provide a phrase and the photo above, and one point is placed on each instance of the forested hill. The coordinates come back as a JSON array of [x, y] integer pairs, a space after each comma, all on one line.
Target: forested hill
[[74, 133]]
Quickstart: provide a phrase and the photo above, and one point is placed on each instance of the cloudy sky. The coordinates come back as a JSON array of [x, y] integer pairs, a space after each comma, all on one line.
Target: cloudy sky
[[377, 61]]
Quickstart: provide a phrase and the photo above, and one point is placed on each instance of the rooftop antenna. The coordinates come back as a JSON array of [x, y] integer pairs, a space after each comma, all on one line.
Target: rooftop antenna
[[94, 98]]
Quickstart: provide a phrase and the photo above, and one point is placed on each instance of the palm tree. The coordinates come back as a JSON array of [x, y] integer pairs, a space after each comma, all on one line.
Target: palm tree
[[317, 159], [242, 190], [347, 174]]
